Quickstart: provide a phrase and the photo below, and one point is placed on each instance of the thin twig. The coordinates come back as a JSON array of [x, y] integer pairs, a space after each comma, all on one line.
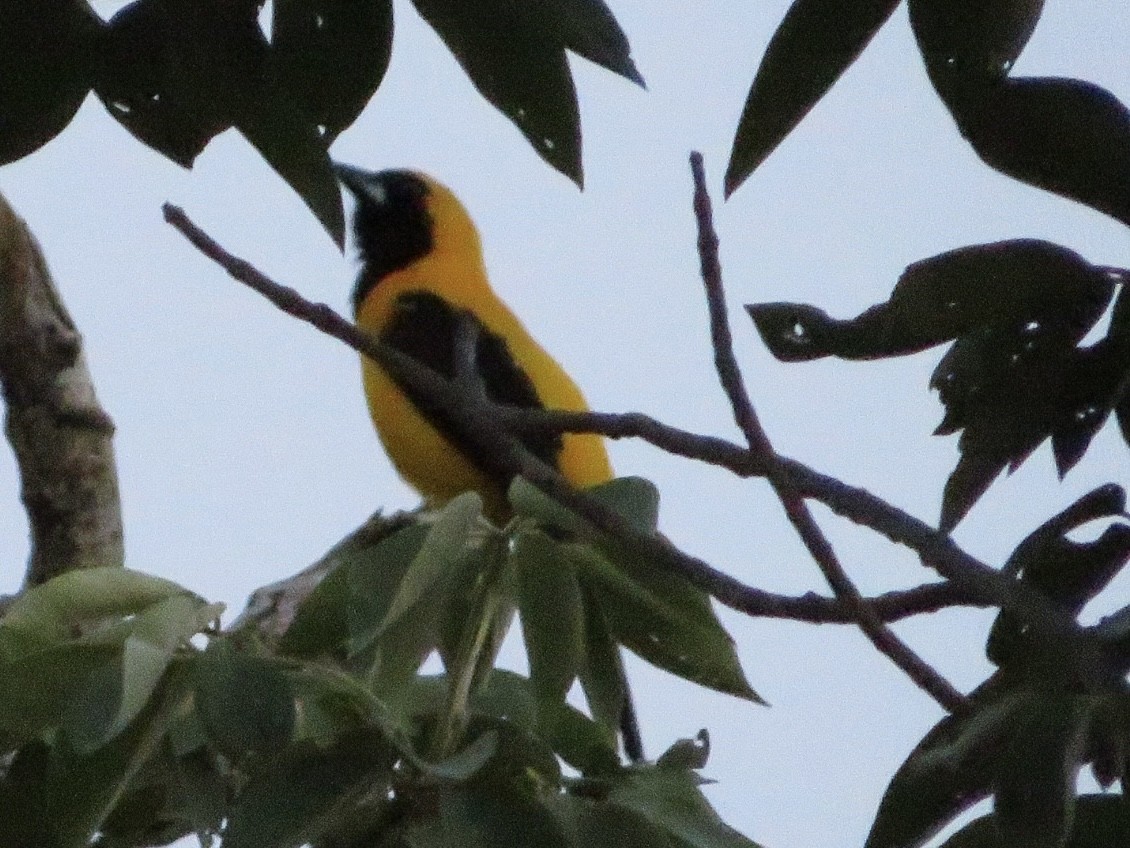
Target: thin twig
[[975, 583], [925, 676]]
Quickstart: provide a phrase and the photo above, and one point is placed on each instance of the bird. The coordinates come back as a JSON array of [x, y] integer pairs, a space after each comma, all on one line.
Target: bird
[[422, 274]]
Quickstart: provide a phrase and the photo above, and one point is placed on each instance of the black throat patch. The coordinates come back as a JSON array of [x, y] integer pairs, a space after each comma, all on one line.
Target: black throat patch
[[390, 233]]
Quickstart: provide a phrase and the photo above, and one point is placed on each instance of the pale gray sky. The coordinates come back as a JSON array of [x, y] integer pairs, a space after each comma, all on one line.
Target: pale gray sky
[[245, 450]]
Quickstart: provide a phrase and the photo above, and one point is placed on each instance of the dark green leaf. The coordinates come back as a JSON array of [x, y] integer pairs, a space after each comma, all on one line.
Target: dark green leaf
[[521, 761], [577, 739], [413, 625], [23, 788], [82, 790], [519, 65], [307, 792], [979, 38], [634, 498], [950, 770], [445, 545], [345, 611], [463, 765], [160, 806], [666, 621], [112, 701], [245, 703], [331, 56], [1034, 802], [601, 825], [484, 817], [670, 799], [479, 573], [813, 46], [602, 672], [38, 689], [549, 602], [47, 53]]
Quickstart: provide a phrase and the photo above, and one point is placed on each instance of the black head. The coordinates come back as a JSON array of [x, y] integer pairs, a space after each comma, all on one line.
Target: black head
[[391, 223]]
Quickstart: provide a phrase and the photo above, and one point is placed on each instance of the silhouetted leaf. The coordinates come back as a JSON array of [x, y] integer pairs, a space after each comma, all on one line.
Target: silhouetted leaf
[[1014, 376], [588, 28], [1034, 798], [331, 56], [950, 770], [291, 144], [973, 37], [514, 53], [1069, 573], [174, 70], [47, 54], [813, 46], [1010, 389], [1064, 135], [1101, 821], [179, 72], [1006, 283]]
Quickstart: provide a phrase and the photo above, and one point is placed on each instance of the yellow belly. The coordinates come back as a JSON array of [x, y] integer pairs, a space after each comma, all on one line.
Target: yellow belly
[[424, 458]]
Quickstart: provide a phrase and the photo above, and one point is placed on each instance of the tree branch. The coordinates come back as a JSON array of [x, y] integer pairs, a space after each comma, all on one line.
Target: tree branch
[[61, 437], [976, 583], [729, 374]]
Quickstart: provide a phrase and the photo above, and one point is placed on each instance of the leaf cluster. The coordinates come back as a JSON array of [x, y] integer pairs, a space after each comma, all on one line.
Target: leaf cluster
[[1015, 375], [1016, 311], [176, 73], [119, 728], [1054, 706]]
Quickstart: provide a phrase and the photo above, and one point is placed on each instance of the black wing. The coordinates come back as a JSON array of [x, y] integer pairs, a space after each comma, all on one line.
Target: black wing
[[424, 326]]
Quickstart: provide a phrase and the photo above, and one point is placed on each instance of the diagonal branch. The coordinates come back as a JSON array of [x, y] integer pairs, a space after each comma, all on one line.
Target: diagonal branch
[[976, 583], [882, 637]]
